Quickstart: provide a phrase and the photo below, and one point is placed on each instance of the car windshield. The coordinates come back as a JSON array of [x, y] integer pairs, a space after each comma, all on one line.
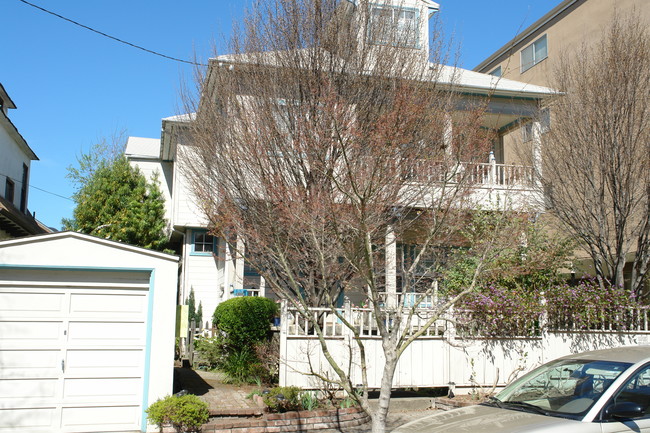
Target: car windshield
[[566, 388]]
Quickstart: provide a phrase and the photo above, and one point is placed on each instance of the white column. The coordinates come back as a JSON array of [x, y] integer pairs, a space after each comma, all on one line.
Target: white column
[[391, 268], [228, 272], [448, 134], [537, 150], [262, 287], [239, 264], [493, 168]]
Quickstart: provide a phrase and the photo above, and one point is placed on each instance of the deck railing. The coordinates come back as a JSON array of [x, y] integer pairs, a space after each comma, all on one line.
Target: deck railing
[[480, 174]]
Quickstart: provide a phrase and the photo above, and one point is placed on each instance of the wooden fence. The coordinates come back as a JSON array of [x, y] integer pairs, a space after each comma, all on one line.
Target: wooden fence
[[445, 353]]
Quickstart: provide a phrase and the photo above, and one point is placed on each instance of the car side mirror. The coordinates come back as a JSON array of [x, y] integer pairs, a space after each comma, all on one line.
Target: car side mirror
[[625, 410]]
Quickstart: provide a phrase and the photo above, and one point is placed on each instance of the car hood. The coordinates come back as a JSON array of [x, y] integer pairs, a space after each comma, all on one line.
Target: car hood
[[488, 419]]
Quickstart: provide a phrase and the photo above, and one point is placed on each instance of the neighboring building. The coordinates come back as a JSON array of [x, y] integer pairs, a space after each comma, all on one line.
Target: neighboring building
[[531, 56], [15, 165], [215, 273]]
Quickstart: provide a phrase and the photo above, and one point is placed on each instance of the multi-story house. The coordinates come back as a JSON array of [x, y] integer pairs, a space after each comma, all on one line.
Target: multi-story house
[[215, 273], [15, 218]]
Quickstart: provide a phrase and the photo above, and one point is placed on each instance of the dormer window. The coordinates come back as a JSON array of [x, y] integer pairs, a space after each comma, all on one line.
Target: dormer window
[[391, 25]]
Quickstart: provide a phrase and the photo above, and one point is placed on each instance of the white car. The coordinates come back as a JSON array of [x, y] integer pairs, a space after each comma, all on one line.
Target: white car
[[603, 391]]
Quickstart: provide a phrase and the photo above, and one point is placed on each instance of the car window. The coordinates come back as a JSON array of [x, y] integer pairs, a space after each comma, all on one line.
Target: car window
[[563, 388], [636, 390]]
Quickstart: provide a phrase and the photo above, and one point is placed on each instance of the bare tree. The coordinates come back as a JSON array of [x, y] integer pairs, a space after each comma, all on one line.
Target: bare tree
[[317, 152], [596, 166]]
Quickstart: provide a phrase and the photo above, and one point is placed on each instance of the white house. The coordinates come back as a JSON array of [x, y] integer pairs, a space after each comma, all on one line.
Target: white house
[[209, 268], [15, 166], [86, 333]]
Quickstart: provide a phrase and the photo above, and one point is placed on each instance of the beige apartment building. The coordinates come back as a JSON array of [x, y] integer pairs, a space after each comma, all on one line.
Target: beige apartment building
[[531, 55]]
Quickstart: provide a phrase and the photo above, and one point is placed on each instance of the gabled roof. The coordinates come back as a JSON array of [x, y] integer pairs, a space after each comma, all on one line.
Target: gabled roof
[[11, 129], [452, 76], [87, 238], [144, 148], [433, 6], [478, 82], [5, 98]]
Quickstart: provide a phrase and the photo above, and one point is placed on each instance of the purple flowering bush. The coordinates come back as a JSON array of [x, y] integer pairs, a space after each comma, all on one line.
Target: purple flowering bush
[[496, 310], [587, 306]]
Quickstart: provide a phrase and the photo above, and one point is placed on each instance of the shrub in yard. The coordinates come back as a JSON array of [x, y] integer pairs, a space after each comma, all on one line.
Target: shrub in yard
[[497, 311], [238, 365], [210, 350], [588, 306], [185, 413], [283, 399], [245, 321]]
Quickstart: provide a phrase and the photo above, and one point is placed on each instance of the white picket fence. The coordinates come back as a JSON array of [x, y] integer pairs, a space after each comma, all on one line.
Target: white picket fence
[[443, 355]]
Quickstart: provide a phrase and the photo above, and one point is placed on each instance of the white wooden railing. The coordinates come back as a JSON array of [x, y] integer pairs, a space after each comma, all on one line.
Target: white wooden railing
[[479, 174], [446, 352]]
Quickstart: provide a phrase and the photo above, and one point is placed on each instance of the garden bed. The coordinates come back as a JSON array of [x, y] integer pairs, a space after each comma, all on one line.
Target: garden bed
[[290, 421]]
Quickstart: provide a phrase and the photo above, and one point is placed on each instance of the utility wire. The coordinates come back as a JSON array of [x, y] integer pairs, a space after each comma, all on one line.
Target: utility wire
[[112, 37], [16, 181]]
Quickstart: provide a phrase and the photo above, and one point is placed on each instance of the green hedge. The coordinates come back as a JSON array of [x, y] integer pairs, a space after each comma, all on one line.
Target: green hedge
[[245, 320]]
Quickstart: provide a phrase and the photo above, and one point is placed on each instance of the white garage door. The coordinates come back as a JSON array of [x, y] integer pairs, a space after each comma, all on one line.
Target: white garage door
[[71, 359]]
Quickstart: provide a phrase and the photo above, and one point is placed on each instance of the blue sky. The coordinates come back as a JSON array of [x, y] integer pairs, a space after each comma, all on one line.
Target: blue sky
[[73, 87]]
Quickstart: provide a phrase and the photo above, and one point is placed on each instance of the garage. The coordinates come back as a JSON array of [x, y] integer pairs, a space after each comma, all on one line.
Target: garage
[[77, 347]]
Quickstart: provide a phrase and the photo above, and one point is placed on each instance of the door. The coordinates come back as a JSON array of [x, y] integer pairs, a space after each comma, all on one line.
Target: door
[[72, 358]]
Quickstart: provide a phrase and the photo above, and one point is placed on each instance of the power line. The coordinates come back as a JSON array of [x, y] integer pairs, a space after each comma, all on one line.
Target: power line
[[35, 187], [112, 37]]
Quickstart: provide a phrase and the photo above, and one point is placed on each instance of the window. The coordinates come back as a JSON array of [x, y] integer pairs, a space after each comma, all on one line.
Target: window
[[23, 189], [394, 25], [9, 190], [534, 53], [203, 244], [496, 72], [636, 390]]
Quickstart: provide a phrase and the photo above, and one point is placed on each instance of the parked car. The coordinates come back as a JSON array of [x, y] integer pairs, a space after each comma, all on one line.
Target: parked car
[[602, 391]]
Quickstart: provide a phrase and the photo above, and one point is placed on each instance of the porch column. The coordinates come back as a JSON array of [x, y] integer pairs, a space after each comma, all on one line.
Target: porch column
[[391, 267], [262, 287], [448, 135], [239, 264], [228, 272], [537, 151]]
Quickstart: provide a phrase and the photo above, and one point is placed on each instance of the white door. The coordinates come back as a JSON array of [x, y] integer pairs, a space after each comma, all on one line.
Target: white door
[[71, 359]]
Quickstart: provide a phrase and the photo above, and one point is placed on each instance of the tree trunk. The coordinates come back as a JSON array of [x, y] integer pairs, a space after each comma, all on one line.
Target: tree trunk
[[380, 416]]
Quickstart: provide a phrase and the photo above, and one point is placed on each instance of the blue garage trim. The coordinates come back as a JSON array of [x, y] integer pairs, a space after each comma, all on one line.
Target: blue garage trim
[[147, 354], [147, 351]]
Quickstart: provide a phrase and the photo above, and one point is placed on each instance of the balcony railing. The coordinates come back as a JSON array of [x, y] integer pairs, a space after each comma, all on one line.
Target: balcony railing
[[479, 174]]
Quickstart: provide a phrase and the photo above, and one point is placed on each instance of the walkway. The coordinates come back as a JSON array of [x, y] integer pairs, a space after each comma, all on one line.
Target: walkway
[[231, 401]]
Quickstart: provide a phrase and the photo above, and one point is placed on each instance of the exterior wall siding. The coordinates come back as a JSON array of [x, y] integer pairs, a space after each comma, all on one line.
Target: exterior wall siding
[[11, 164], [584, 23], [206, 275]]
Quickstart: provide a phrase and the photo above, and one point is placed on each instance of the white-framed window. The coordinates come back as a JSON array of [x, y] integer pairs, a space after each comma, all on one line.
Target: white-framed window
[[203, 243], [534, 53], [394, 25], [497, 71]]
